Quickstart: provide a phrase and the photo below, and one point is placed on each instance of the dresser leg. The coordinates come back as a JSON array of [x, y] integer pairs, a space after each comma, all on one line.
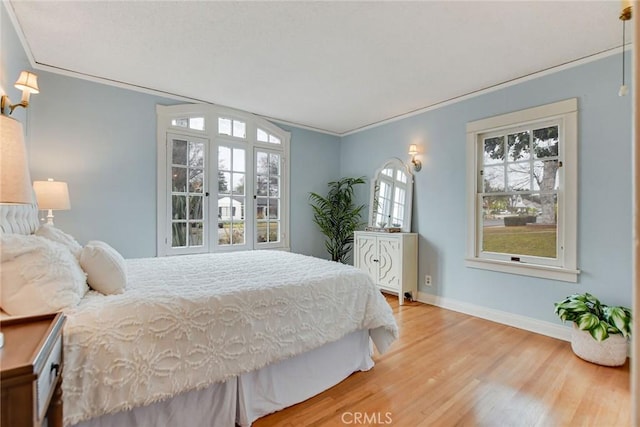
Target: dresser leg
[[54, 413]]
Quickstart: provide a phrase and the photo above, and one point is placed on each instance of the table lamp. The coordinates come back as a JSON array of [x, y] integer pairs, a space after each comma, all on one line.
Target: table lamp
[[52, 195]]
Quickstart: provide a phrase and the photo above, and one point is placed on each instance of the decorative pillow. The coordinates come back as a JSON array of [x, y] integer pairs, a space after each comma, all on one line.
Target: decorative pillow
[[105, 268], [57, 235], [38, 276]]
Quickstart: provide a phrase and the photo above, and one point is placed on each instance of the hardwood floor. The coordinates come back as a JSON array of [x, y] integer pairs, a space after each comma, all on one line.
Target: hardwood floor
[[450, 369]]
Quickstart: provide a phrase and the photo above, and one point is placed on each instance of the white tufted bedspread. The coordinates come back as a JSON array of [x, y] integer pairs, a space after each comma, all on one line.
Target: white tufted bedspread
[[186, 322]]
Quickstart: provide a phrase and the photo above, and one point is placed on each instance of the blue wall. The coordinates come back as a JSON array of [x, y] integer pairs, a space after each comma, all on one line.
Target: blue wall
[[439, 210]]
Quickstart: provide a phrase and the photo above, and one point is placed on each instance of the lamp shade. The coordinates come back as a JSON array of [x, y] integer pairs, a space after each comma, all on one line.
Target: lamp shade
[[52, 195], [15, 181], [413, 149], [27, 81]]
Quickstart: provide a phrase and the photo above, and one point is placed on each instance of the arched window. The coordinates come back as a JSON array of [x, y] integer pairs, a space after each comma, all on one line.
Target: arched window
[[223, 181]]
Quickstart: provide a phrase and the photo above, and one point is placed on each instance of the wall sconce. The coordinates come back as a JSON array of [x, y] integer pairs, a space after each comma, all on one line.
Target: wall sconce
[[52, 195], [625, 15], [28, 83], [417, 164]]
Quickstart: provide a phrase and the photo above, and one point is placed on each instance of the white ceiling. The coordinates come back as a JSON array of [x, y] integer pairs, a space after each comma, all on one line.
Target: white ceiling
[[333, 66]]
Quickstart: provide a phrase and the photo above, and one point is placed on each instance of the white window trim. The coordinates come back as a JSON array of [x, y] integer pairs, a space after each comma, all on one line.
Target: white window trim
[[211, 113], [567, 112]]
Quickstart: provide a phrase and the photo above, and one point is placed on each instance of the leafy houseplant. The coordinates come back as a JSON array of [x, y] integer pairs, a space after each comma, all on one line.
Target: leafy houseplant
[[337, 216], [589, 314], [610, 328]]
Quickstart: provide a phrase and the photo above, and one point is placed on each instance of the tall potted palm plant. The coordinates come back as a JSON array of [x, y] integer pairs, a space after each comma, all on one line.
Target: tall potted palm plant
[[338, 217]]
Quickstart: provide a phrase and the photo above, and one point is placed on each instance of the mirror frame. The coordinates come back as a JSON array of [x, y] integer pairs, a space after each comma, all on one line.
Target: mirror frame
[[397, 164]]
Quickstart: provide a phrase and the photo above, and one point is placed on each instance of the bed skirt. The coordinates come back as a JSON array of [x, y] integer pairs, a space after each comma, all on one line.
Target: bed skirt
[[244, 399]]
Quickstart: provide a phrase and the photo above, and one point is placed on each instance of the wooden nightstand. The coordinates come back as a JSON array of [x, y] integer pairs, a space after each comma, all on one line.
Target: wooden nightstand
[[31, 371]]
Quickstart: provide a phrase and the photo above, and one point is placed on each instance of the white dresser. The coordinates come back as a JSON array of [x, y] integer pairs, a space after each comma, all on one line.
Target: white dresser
[[391, 259]]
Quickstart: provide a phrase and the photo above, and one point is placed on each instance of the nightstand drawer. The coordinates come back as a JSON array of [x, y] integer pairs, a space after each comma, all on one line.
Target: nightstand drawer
[[31, 394], [48, 378]]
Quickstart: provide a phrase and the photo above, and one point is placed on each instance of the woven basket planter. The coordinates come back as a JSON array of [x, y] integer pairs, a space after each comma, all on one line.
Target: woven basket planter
[[610, 352]]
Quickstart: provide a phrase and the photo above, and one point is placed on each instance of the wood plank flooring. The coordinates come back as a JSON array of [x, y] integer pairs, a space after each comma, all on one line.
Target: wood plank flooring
[[451, 369]]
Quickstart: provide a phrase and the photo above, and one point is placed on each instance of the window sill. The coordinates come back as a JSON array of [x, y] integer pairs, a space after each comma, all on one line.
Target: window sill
[[541, 271]]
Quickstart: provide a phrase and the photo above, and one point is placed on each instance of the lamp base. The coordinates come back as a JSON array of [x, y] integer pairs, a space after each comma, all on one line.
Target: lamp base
[[624, 90], [50, 217]]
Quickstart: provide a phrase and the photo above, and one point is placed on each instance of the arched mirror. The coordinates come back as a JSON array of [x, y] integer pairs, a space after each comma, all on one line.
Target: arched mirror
[[391, 196]]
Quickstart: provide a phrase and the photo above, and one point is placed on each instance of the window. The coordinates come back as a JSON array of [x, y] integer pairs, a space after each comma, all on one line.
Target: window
[[522, 181], [196, 123], [231, 195], [268, 197], [264, 136], [186, 187], [222, 169], [232, 127]]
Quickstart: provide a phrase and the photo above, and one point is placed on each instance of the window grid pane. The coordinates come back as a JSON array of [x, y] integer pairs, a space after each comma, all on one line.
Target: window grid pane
[[274, 140], [224, 126], [262, 136], [196, 232], [545, 142], [196, 123], [239, 129], [179, 153], [181, 123], [493, 150]]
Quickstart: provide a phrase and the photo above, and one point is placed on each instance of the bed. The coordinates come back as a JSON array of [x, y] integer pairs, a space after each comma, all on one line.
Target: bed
[[214, 339]]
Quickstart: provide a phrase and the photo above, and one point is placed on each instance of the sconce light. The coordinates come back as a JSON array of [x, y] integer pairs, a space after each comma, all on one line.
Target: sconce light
[[28, 83], [625, 15], [52, 195], [417, 164]]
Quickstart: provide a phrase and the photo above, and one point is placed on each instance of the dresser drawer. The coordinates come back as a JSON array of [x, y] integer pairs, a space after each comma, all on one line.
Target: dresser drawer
[[48, 377]]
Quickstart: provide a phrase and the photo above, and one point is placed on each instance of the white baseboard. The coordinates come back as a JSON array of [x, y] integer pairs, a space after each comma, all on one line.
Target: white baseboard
[[517, 321]]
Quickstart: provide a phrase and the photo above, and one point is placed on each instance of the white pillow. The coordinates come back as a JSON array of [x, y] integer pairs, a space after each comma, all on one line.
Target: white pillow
[[38, 276], [57, 235], [105, 268]]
